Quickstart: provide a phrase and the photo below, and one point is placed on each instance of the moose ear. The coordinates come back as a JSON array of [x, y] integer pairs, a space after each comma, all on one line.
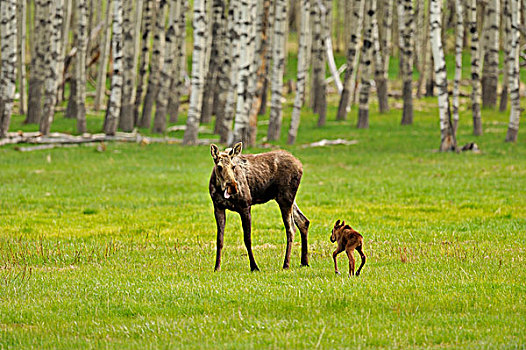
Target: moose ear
[[238, 147], [337, 223], [343, 223], [214, 151]]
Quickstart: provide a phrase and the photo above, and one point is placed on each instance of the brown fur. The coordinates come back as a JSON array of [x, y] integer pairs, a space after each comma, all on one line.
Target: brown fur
[[240, 181], [348, 240]]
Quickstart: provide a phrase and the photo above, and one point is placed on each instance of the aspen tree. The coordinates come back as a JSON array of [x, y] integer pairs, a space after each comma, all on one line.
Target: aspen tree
[[198, 73], [352, 58]]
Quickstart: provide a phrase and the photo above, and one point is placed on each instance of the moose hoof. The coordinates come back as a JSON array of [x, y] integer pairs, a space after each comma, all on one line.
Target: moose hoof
[[254, 268], [305, 265], [337, 272]]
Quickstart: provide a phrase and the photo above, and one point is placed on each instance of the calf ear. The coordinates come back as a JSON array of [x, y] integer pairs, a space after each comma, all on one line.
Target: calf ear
[[343, 223], [238, 147], [214, 151], [336, 223]]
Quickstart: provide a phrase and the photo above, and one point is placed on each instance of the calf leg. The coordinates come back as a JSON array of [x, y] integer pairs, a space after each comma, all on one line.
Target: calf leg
[[350, 255], [220, 222], [364, 258], [286, 214], [302, 223], [334, 255], [246, 221]]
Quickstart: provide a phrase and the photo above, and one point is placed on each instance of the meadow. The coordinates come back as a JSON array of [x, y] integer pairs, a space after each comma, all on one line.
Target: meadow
[[116, 249]]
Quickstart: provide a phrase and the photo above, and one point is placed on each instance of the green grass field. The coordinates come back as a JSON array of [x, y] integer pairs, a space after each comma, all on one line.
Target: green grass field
[[116, 249]]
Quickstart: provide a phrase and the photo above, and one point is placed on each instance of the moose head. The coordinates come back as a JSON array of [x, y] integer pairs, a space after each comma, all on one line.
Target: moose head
[[225, 168], [335, 230]]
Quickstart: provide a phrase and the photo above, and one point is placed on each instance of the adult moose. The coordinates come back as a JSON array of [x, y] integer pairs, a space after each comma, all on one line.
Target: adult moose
[[240, 181]]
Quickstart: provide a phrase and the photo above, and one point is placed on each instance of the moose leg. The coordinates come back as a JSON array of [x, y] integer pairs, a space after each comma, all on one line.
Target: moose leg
[[302, 223], [334, 255], [350, 255], [286, 214], [220, 222], [364, 258], [246, 221]]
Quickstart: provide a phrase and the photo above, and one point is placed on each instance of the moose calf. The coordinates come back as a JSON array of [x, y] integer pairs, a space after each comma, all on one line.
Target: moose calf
[[348, 240]]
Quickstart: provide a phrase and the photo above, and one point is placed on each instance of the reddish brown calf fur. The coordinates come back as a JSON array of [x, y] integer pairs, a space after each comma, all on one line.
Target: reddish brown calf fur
[[348, 240]]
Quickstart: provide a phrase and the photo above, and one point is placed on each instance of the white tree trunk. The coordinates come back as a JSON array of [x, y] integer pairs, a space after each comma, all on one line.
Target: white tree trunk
[[8, 63], [366, 61], [406, 33], [278, 66], [198, 73], [179, 72], [114, 103], [475, 69], [21, 55], [459, 40], [246, 72], [490, 73], [513, 71], [100, 91], [144, 57], [170, 58], [302, 70], [36, 68], [225, 129], [352, 59], [80, 66], [53, 61], [448, 141], [155, 66], [385, 52], [126, 118], [68, 8]]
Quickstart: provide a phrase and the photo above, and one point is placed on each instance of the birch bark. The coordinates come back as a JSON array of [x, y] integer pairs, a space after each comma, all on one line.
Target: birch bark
[[352, 59], [505, 33], [513, 71], [448, 140], [213, 63], [53, 61], [155, 66], [8, 63], [385, 48], [178, 81], [36, 68], [198, 74], [68, 9], [260, 63], [490, 72], [425, 49], [115, 100], [100, 91], [144, 57], [302, 70], [366, 61], [159, 123], [126, 118], [247, 41], [225, 129], [80, 66], [459, 40], [406, 24], [475, 69], [21, 55], [278, 64]]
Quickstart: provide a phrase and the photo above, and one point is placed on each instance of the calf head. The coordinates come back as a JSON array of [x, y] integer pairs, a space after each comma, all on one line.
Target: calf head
[[336, 230], [225, 168]]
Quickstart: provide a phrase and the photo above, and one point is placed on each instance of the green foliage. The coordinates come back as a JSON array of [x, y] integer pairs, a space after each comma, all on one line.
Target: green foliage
[[116, 249]]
